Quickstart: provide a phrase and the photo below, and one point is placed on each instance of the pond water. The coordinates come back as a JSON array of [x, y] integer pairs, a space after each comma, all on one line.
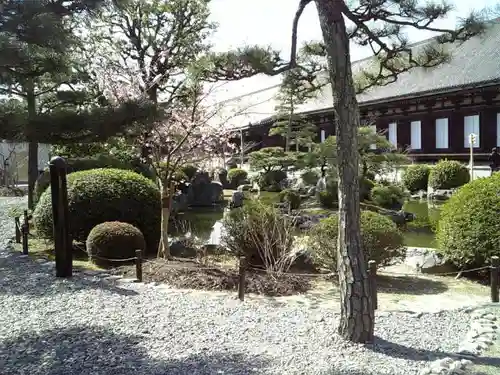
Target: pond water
[[420, 232], [206, 224]]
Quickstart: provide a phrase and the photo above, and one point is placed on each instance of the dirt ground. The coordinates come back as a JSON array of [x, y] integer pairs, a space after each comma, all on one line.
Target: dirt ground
[[399, 288]]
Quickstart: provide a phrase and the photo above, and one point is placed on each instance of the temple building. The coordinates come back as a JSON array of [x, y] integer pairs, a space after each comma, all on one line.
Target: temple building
[[427, 112]]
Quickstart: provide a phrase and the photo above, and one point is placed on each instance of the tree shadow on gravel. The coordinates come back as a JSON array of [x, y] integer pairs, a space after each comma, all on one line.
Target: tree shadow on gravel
[[94, 351], [23, 276], [396, 350], [409, 285]]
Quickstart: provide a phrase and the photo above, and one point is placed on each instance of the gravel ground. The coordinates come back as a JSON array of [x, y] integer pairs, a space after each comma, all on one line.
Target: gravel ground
[[6, 222], [92, 326]]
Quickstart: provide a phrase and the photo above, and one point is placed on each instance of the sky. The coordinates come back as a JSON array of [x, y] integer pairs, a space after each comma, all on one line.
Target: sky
[[268, 22]]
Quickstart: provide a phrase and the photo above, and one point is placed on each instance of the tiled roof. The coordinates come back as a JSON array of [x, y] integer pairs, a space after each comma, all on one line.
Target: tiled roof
[[475, 61]]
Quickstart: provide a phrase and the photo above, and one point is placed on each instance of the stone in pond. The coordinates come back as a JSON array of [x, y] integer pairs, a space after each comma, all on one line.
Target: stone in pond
[[203, 192], [237, 199]]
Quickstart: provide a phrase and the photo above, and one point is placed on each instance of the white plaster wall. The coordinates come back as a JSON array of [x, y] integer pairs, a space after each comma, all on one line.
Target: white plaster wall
[[18, 163]]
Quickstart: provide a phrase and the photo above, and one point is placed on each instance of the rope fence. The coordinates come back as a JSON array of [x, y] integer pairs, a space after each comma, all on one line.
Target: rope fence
[[22, 234]]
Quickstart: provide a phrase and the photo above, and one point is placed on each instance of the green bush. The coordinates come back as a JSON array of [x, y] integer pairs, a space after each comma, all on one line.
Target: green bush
[[416, 177], [237, 177], [114, 240], [448, 174], [469, 227], [259, 232], [290, 196], [84, 164], [382, 241], [391, 197], [330, 197], [99, 195], [365, 188], [310, 178], [272, 180]]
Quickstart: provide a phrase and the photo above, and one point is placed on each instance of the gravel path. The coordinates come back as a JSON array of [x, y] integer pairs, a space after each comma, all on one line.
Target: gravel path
[[92, 326]]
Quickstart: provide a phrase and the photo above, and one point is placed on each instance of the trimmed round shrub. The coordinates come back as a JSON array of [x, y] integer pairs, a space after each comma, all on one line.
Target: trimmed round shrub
[[114, 240], [84, 164], [416, 177], [310, 178], [237, 177], [381, 238], [290, 196], [468, 231], [99, 195], [272, 180], [448, 174], [391, 197]]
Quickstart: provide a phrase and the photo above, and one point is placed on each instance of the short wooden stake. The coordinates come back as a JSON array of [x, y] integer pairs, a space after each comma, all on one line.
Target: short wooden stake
[[18, 229], [495, 263], [241, 283], [372, 272], [25, 232], [138, 265]]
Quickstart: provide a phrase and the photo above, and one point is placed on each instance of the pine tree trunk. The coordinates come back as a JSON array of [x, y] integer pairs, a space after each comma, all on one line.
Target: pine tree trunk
[[357, 310], [166, 200], [32, 145]]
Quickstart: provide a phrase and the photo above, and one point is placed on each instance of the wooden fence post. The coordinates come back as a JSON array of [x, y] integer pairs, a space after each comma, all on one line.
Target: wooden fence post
[[372, 272], [24, 232], [63, 245], [495, 263], [138, 265], [241, 283], [18, 229]]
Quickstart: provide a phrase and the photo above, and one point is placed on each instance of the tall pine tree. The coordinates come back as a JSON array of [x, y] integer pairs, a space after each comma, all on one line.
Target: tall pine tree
[[39, 66]]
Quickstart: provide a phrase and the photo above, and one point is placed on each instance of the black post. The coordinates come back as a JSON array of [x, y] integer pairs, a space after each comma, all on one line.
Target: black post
[[26, 221], [372, 272], [62, 240], [241, 283], [18, 229], [138, 265], [24, 232], [495, 263]]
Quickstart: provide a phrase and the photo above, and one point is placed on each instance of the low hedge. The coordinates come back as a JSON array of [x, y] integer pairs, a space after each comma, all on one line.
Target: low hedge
[[468, 231], [416, 177], [83, 164], [99, 195], [291, 197], [237, 177], [381, 238], [448, 174], [390, 197]]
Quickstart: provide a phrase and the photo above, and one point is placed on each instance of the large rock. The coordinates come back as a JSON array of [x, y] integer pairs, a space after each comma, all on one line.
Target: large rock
[[202, 192], [427, 260], [237, 199], [441, 194]]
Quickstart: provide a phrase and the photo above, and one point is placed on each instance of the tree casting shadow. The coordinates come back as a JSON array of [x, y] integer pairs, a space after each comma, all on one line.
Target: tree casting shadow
[[409, 285], [94, 351]]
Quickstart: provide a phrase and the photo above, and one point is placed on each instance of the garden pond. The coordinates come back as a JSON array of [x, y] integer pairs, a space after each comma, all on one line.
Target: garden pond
[[205, 224]]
